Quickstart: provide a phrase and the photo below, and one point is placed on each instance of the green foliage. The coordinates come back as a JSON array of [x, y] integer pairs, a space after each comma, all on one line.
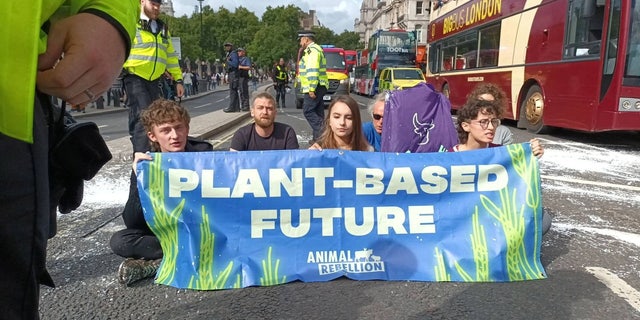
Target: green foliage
[[266, 39], [349, 40]]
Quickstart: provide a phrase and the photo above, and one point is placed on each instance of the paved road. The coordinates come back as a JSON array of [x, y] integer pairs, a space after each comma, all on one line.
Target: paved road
[[590, 184]]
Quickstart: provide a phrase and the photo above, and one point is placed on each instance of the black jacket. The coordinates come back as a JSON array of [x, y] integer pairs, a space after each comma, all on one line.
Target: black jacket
[[132, 213]]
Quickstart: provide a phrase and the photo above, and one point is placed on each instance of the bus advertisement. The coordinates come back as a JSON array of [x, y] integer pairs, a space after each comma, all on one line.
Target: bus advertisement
[[387, 48], [562, 63]]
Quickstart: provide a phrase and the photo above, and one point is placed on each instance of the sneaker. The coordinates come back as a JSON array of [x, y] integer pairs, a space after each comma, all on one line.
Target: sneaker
[[132, 270]]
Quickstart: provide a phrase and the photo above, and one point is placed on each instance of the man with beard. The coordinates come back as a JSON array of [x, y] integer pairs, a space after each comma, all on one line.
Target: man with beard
[[264, 133]]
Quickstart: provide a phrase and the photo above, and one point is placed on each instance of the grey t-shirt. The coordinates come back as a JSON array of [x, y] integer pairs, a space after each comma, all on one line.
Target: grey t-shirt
[[283, 137]]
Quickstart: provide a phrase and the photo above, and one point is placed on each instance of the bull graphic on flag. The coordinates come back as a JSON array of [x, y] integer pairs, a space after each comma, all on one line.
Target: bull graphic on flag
[[417, 119]]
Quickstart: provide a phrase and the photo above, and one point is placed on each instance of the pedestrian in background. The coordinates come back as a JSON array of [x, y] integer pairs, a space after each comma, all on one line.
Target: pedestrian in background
[[188, 83], [280, 81], [27, 213], [244, 70], [232, 62], [312, 68], [151, 54]]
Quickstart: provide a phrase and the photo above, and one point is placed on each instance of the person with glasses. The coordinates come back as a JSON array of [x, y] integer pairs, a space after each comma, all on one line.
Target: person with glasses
[[373, 129], [476, 126], [491, 92]]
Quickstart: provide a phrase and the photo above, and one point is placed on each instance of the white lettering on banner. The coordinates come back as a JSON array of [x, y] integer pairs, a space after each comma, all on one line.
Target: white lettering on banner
[[389, 218], [362, 261], [368, 181]]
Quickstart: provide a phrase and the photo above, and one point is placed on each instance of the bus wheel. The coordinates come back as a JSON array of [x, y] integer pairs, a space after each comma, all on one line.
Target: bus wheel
[[531, 111], [446, 91], [298, 103]]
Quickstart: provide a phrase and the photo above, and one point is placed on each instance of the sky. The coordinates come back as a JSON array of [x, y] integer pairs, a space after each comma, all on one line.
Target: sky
[[337, 15]]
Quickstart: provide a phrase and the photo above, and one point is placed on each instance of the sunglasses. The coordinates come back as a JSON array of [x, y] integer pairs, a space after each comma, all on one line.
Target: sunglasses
[[377, 116], [484, 123]]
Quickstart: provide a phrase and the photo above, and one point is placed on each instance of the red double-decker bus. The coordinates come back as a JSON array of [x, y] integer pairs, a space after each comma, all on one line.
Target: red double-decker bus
[[563, 63]]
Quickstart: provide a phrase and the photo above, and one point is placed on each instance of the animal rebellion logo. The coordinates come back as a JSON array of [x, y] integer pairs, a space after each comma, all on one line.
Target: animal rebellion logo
[[422, 129], [346, 261]]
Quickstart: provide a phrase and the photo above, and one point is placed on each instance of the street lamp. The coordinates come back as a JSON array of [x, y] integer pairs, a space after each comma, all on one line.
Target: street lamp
[[201, 48]]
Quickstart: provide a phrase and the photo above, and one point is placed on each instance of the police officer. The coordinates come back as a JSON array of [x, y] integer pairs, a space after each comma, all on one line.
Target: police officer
[[244, 68], [280, 80], [313, 81], [232, 77], [151, 54]]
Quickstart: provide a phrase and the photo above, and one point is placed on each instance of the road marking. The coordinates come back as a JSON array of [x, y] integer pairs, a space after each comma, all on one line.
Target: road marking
[[201, 106], [103, 126], [617, 285], [592, 183], [223, 140]]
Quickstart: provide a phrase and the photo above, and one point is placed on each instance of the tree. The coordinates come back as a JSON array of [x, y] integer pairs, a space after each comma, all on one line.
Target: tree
[[349, 40], [324, 35]]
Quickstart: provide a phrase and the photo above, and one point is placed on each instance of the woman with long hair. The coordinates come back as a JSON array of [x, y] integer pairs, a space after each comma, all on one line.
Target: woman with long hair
[[343, 127]]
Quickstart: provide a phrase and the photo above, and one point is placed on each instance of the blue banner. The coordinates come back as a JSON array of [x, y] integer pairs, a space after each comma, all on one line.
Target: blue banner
[[259, 218]]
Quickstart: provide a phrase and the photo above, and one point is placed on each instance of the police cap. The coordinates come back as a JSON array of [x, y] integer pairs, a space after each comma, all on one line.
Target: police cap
[[306, 33], [228, 44]]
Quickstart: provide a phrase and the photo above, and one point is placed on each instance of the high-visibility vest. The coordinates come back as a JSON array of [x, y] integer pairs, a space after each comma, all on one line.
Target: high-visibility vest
[[313, 69], [25, 19], [282, 73], [152, 54]]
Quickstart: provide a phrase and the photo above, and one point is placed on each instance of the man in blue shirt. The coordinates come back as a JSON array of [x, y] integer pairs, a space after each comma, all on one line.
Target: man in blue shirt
[[244, 66], [373, 129], [232, 73]]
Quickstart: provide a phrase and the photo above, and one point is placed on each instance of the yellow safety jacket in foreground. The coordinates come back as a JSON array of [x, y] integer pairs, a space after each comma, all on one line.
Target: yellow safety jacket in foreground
[[312, 69], [152, 54], [23, 40]]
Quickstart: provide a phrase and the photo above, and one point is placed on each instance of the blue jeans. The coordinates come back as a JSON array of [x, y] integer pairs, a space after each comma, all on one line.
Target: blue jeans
[[313, 110], [140, 94]]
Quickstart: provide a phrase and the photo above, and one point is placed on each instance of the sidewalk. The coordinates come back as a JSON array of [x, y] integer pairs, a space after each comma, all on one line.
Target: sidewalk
[[202, 127], [91, 108]]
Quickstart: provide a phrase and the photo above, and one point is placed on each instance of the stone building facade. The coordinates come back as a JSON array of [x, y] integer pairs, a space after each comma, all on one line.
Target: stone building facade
[[402, 14]]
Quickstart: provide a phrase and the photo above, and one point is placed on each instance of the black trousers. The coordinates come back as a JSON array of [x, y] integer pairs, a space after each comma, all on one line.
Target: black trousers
[[140, 94], [244, 92], [136, 241], [234, 104], [281, 91], [26, 221]]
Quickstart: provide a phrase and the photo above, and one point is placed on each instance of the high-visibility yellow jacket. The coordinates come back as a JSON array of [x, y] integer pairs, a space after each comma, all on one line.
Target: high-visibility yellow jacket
[[152, 54], [23, 40], [312, 69]]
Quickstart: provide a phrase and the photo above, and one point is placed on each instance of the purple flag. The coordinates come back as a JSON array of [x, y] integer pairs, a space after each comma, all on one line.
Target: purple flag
[[417, 119]]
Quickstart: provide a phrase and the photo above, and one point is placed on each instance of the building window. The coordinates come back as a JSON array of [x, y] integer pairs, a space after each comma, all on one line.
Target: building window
[[419, 7]]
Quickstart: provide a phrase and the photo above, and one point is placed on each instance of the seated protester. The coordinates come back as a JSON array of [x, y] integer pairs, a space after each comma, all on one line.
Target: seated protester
[[491, 92], [264, 133], [343, 127], [373, 129], [167, 126], [476, 125]]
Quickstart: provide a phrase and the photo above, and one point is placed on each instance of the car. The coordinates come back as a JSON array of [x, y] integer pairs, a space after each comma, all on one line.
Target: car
[[399, 78]]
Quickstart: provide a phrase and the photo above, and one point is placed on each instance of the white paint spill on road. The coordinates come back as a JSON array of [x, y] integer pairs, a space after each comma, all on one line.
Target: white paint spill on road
[[617, 286], [631, 238]]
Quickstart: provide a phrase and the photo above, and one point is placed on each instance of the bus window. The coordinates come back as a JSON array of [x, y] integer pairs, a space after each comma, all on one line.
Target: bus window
[[489, 46], [584, 28]]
